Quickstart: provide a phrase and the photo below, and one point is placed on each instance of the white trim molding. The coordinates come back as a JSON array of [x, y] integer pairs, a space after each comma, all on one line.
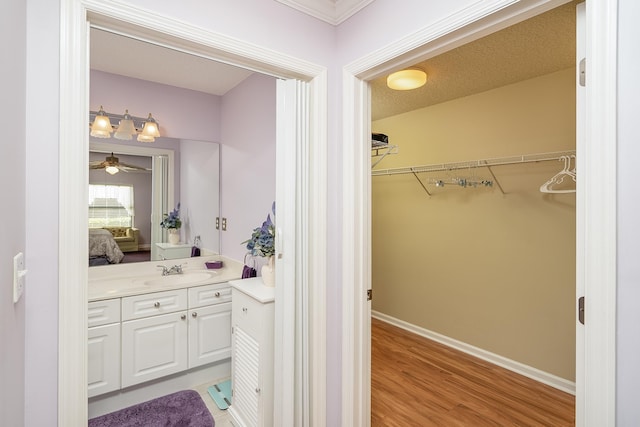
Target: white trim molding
[[310, 200], [599, 217], [332, 11], [504, 362], [596, 242]]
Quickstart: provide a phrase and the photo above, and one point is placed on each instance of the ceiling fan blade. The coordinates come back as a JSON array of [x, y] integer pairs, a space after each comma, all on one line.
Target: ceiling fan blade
[[132, 167]]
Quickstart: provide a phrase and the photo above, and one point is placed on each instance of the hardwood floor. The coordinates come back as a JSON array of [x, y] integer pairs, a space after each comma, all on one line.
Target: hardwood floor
[[418, 382]]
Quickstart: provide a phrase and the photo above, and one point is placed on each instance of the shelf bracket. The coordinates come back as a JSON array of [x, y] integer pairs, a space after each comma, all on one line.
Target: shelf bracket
[[390, 149], [495, 180], [423, 186]]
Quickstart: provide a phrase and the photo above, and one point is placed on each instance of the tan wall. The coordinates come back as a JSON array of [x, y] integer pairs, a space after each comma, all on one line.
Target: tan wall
[[491, 270]]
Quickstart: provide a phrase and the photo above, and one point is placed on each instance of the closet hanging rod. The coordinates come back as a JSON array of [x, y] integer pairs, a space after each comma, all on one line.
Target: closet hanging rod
[[500, 161]]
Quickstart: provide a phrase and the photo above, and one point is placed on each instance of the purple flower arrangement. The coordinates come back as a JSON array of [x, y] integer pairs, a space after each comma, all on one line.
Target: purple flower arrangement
[[172, 219], [262, 241]]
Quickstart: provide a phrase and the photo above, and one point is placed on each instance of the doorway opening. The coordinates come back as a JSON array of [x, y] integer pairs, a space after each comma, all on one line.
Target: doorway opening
[[295, 117], [598, 160], [477, 257]]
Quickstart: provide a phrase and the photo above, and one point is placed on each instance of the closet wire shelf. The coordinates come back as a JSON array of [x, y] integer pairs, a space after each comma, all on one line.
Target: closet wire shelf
[[483, 163]]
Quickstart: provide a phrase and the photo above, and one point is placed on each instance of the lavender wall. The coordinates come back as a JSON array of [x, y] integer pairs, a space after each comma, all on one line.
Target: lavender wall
[[248, 159], [181, 113], [12, 227], [41, 220]]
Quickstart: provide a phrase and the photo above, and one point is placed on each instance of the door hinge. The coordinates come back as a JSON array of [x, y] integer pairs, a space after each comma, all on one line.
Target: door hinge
[[581, 310], [369, 294], [583, 71]]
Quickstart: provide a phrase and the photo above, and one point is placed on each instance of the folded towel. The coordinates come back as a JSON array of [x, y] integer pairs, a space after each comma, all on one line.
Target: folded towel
[[248, 272]]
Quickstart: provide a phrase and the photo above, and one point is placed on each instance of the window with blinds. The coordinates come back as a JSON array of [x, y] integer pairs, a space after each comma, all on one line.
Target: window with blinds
[[111, 206]]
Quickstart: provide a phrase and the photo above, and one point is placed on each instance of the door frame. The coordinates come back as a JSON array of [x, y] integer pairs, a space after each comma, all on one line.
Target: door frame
[[595, 207], [301, 253]]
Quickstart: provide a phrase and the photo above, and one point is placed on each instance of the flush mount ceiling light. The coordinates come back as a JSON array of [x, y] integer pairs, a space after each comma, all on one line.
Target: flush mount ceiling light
[[150, 131], [101, 127], [126, 128], [147, 129], [411, 78]]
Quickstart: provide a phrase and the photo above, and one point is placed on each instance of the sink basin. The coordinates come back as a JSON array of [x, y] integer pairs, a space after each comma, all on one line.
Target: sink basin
[[180, 279]]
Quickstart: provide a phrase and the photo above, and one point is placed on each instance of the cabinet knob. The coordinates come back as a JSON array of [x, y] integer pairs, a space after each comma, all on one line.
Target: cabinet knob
[[217, 294], [244, 309], [156, 305], [194, 314], [184, 316], [257, 390]]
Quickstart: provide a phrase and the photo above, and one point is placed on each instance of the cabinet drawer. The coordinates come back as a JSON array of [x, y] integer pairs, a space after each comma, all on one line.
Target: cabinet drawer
[[247, 313], [104, 312], [209, 294], [146, 305]]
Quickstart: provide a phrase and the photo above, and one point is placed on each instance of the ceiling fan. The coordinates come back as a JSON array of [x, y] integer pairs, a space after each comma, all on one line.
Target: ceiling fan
[[112, 166]]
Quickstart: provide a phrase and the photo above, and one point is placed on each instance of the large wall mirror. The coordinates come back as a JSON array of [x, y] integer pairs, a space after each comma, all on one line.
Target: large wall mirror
[[155, 176], [127, 205]]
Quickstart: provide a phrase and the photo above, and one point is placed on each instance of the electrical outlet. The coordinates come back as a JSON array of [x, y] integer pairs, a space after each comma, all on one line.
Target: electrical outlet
[[19, 274]]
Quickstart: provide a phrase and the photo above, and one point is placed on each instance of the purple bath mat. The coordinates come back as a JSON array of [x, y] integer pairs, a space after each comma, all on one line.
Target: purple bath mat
[[181, 409]]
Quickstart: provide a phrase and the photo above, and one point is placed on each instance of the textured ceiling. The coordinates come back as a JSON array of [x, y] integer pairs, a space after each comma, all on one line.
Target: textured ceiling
[[541, 45]]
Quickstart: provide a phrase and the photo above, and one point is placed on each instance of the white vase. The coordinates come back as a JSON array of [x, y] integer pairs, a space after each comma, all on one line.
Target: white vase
[[268, 273], [174, 236]]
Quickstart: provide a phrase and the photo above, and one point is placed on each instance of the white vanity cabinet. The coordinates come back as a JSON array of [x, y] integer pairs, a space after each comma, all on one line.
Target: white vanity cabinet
[[143, 337], [252, 353], [103, 346], [154, 336]]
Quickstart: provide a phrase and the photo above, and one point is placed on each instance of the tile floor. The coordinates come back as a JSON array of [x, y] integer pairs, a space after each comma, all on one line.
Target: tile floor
[[221, 417]]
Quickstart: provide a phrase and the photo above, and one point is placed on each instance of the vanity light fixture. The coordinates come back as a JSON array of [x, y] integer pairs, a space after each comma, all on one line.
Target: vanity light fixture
[[411, 78], [149, 131], [126, 128], [101, 127]]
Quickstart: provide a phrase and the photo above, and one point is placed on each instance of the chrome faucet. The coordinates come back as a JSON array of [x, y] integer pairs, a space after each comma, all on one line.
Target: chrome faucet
[[176, 269]]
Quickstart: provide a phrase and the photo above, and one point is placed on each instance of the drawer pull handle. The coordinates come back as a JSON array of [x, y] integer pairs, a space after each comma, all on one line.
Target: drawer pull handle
[[184, 316], [194, 314], [156, 305], [217, 294]]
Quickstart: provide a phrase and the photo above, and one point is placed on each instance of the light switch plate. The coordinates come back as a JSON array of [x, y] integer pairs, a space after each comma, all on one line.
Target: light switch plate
[[19, 274]]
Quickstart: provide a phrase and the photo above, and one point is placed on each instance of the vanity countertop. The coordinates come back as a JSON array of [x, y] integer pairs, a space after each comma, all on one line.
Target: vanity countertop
[[120, 280]]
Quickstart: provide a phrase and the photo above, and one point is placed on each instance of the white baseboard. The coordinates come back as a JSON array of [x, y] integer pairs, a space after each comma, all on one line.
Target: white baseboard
[[517, 367]]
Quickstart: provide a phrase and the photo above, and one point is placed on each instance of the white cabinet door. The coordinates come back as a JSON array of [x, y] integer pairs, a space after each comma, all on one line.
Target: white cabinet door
[[246, 405], [153, 347], [209, 334], [104, 359], [252, 353]]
